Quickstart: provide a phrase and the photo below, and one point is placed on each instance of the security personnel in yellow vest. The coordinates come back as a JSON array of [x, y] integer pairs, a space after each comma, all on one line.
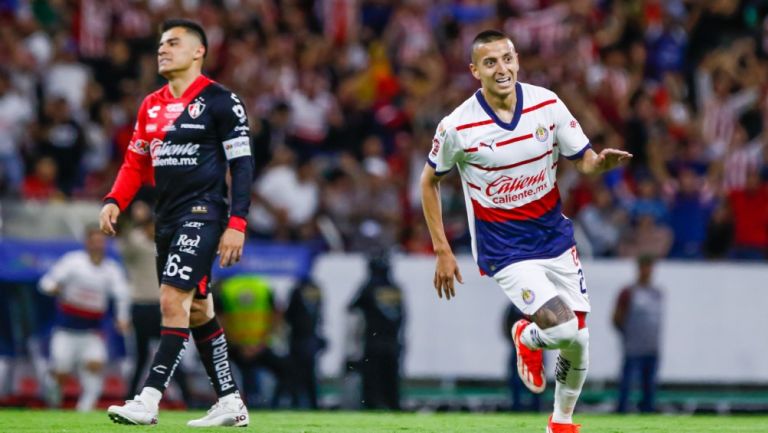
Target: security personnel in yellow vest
[[248, 314]]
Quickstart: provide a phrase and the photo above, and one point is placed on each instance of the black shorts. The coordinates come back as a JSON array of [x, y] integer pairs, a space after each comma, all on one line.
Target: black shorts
[[185, 254]]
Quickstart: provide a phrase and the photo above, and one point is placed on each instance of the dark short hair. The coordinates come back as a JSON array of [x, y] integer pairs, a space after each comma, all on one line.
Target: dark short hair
[[487, 36], [188, 25]]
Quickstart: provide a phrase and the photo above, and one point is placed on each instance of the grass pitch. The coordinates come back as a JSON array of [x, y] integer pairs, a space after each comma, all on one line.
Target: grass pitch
[[344, 422]]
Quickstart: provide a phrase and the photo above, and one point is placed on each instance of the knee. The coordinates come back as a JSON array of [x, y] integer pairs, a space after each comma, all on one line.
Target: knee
[[171, 309]]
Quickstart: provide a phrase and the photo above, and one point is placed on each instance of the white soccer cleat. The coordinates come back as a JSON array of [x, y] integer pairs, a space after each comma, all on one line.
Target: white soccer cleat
[[229, 411], [135, 412]]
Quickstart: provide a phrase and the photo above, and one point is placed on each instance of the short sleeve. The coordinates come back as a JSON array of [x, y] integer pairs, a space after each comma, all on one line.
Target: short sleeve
[[232, 127], [58, 274], [446, 149], [568, 134]]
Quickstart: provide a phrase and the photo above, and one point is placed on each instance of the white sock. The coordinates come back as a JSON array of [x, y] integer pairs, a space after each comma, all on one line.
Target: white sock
[[90, 384], [570, 373], [151, 397], [555, 337]]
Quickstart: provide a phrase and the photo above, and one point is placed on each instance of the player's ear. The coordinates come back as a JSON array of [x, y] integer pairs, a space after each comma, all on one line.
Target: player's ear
[[200, 52], [475, 72]]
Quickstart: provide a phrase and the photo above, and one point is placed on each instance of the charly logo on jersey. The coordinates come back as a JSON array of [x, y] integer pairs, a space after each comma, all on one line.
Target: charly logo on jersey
[[152, 112], [195, 109], [194, 224], [188, 245], [541, 133]]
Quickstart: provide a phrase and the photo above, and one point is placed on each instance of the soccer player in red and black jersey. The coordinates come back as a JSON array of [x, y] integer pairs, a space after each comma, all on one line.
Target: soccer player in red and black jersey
[[187, 135]]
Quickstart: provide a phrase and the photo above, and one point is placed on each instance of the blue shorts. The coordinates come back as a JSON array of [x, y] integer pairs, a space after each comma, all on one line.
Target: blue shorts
[[185, 254]]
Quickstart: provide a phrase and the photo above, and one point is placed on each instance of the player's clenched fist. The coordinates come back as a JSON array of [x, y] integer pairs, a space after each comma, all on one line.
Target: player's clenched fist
[[108, 218]]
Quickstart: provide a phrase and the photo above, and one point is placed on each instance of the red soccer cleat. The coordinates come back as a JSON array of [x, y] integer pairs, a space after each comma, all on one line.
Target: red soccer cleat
[[553, 427], [530, 363]]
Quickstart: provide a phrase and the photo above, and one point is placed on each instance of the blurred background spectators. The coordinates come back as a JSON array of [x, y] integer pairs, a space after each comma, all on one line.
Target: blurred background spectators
[[344, 96]]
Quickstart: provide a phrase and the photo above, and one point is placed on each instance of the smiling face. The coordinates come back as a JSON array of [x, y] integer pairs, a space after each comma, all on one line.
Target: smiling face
[[495, 65], [179, 49]]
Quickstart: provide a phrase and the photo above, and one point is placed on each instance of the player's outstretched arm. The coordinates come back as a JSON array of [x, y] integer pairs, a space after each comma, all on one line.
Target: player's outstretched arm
[[446, 268], [607, 159]]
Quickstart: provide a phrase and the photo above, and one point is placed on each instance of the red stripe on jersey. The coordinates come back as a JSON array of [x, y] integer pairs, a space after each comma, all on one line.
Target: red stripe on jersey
[[472, 125], [471, 149], [473, 186], [554, 164], [514, 140], [539, 105], [528, 211], [79, 312], [517, 164]]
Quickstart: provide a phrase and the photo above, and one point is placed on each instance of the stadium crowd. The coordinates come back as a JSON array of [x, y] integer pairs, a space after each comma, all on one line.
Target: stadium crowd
[[345, 95]]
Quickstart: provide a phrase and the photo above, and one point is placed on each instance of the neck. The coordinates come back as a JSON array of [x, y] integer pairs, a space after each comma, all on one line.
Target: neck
[[179, 82], [96, 258], [501, 102]]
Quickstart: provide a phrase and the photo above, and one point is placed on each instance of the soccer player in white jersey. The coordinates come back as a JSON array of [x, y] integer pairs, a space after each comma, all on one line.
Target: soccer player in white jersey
[[83, 282], [505, 141]]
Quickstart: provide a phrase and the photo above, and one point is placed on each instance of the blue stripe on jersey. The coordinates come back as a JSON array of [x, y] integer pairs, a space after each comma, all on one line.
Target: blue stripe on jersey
[[500, 244], [70, 321], [518, 109], [433, 165], [580, 153]]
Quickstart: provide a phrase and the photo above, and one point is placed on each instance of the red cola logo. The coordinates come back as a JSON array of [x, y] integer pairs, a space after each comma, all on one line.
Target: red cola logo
[[508, 184]]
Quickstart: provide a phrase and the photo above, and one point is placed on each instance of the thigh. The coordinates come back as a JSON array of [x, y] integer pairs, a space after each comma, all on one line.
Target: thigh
[[94, 348], [566, 274], [527, 285], [64, 346], [190, 256]]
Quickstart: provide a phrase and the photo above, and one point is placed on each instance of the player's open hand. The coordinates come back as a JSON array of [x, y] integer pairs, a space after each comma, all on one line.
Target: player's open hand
[[108, 218], [609, 159], [445, 271], [231, 247]]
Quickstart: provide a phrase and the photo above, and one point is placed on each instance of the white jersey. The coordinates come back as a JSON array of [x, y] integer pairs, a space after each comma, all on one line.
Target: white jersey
[[86, 289], [508, 174]]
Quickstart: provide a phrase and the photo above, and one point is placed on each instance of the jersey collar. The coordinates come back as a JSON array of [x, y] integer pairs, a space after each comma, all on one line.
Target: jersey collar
[[518, 108], [191, 91]]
